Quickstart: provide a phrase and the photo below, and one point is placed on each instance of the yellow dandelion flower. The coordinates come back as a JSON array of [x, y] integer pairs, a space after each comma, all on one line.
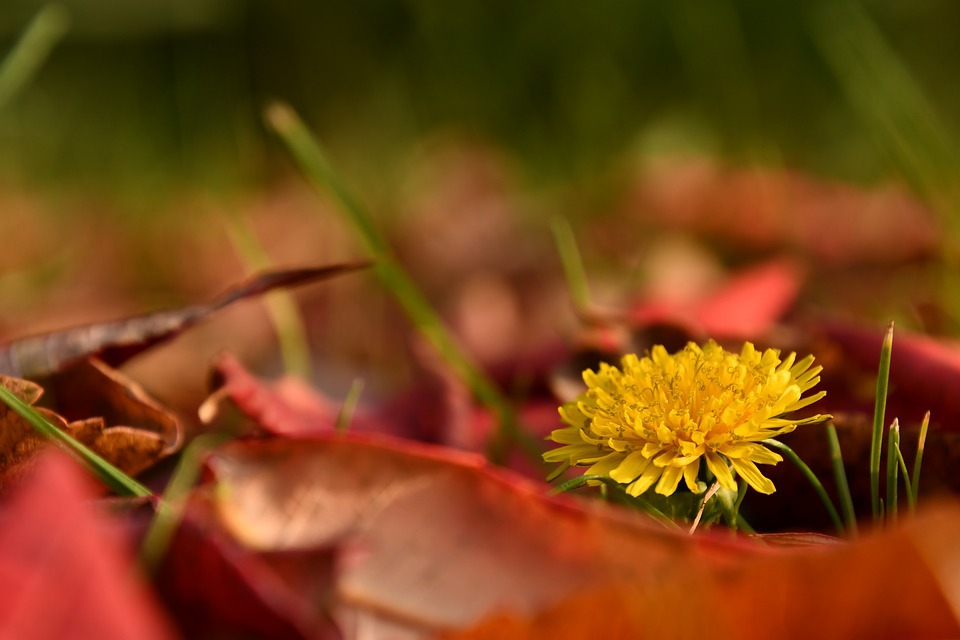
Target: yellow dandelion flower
[[651, 421]]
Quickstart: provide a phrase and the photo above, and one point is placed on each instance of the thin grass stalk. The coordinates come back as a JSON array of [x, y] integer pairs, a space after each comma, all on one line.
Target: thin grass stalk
[[284, 314], [572, 263], [117, 480], [314, 163], [170, 507], [902, 463], [840, 477], [812, 478], [918, 459], [34, 46], [349, 406], [893, 443], [879, 409]]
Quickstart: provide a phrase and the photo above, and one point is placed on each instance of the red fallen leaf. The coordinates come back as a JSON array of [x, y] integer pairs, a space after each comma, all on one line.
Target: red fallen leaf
[[448, 541], [117, 341], [892, 584], [435, 410], [217, 588], [750, 301], [287, 407], [745, 306], [66, 574]]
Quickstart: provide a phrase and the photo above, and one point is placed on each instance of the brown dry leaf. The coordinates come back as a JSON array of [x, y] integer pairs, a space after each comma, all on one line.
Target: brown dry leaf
[[129, 430], [117, 341], [19, 442], [134, 430]]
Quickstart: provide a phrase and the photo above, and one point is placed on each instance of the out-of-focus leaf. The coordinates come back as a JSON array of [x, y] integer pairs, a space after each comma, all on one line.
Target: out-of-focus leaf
[[217, 588], [895, 584], [117, 341], [288, 406], [441, 541], [442, 537], [137, 429], [127, 427], [67, 574], [438, 408], [751, 301], [924, 371], [767, 209]]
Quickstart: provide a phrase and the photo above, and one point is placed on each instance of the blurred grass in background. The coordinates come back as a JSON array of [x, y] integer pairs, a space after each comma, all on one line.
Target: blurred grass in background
[[142, 98]]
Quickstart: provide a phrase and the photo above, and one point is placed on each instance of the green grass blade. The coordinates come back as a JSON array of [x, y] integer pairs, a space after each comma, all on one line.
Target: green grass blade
[[286, 318], [893, 442], [879, 409], [117, 480], [921, 442], [840, 476], [812, 478], [902, 463], [572, 263], [170, 507], [32, 49], [320, 172]]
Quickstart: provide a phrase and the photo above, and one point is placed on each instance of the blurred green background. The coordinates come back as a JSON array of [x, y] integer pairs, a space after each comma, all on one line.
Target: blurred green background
[[141, 98]]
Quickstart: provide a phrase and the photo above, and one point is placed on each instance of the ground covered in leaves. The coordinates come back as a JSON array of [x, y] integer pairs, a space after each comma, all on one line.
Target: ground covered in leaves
[[296, 513]]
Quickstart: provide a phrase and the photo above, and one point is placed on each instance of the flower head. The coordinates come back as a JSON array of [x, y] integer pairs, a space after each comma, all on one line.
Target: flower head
[[652, 421]]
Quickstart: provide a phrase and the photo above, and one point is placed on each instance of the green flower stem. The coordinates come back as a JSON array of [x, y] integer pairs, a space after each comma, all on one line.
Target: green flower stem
[[840, 476], [117, 480], [286, 318], [729, 505], [811, 476], [320, 172], [879, 408], [32, 49], [744, 526], [572, 264], [921, 442], [617, 488], [893, 443], [170, 507]]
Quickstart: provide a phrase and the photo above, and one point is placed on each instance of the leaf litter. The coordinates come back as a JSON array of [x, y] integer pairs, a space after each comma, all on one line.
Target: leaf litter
[[297, 531]]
